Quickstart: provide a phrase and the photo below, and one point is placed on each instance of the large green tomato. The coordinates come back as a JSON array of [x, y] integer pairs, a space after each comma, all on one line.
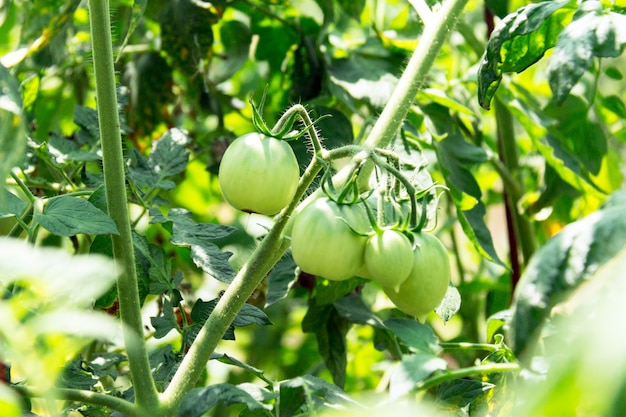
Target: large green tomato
[[428, 281], [389, 258], [259, 174], [324, 241]]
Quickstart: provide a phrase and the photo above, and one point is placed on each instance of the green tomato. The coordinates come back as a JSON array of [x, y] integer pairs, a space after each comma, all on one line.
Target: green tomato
[[259, 174], [428, 281], [389, 258], [324, 241]]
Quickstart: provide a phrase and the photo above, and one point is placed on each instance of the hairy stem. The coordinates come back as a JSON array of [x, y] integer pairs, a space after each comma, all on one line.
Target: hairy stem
[[95, 398], [117, 204]]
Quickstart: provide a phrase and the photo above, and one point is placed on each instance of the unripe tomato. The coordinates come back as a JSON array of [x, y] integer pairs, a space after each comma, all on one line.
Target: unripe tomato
[[323, 241], [389, 258], [259, 174], [428, 281]]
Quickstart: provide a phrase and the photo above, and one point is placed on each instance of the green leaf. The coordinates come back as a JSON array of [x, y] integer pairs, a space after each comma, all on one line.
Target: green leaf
[[11, 205], [460, 392], [330, 331], [164, 363], [300, 394], [456, 156], [87, 119], [450, 305], [413, 369], [65, 150], [75, 376], [235, 38], [12, 129], [280, 280], [213, 261], [68, 216], [186, 232], [518, 41], [417, 336], [562, 264], [229, 360], [499, 8], [200, 400], [168, 157], [352, 308], [593, 32]]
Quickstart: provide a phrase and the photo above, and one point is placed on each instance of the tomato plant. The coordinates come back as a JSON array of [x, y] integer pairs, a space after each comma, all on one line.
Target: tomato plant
[[134, 282], [259, 174]]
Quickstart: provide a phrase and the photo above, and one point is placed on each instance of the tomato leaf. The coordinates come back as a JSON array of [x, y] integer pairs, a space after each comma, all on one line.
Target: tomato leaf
[[67, 216], [236, 38], [11, 205], [330, 331], [164, 363], [417, 336], [229, 360], [517, 42], [456, 156], [297, 393], [562, 264], [280, 280], [352, 308], [450, 304], [65, 150], [593, 32], [200, 400], [460, 392], [168, 157]]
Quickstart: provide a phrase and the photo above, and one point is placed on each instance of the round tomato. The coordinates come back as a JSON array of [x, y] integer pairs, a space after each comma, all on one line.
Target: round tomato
[[389, 258], [259, 174], [324, 241], [427, 282]]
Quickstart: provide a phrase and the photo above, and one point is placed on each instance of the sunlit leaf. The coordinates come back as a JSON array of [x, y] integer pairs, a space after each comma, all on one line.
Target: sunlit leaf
[[200, 400], [68, 216]]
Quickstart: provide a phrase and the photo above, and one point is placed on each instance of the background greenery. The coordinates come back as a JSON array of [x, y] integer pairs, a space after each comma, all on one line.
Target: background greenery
[[527, 131]]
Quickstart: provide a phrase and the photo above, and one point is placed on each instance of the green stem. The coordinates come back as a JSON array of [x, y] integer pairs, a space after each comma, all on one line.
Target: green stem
[[114, 403], [492, 368], [262, 260], [469, 346], [117, 204], [432, 39]]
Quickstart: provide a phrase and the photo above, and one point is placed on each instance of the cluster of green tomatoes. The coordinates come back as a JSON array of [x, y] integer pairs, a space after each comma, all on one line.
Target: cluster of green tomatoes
[[333, 239]]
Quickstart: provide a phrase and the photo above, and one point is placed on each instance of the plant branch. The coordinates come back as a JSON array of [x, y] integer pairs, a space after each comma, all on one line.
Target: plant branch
[[117, 203], [432, 39], [95, 398], [491, 368]]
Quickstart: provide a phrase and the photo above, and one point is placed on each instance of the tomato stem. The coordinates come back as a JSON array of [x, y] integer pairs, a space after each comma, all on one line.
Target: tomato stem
[[472, 371], [117, 204], [287, 119]]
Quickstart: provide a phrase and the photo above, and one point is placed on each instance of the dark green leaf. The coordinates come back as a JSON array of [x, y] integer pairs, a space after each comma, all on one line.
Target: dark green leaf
[[614, 104], [413, 369], [201, 400], [327, 292], [518, 41], [301, 391], [460, 392], [450, 304], [330, 331], [562, 264], [68, 216], [213, 261], [499, 8], [352, 308], [168, 157], [456, 156], [280, 279], [11, 205], [229, 360], [186, 231], [65, 150], [75, 376], [12, 129], [164, 363], [417, 336], [593, 32], [163, 325], [87, 119], [236, 38]]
